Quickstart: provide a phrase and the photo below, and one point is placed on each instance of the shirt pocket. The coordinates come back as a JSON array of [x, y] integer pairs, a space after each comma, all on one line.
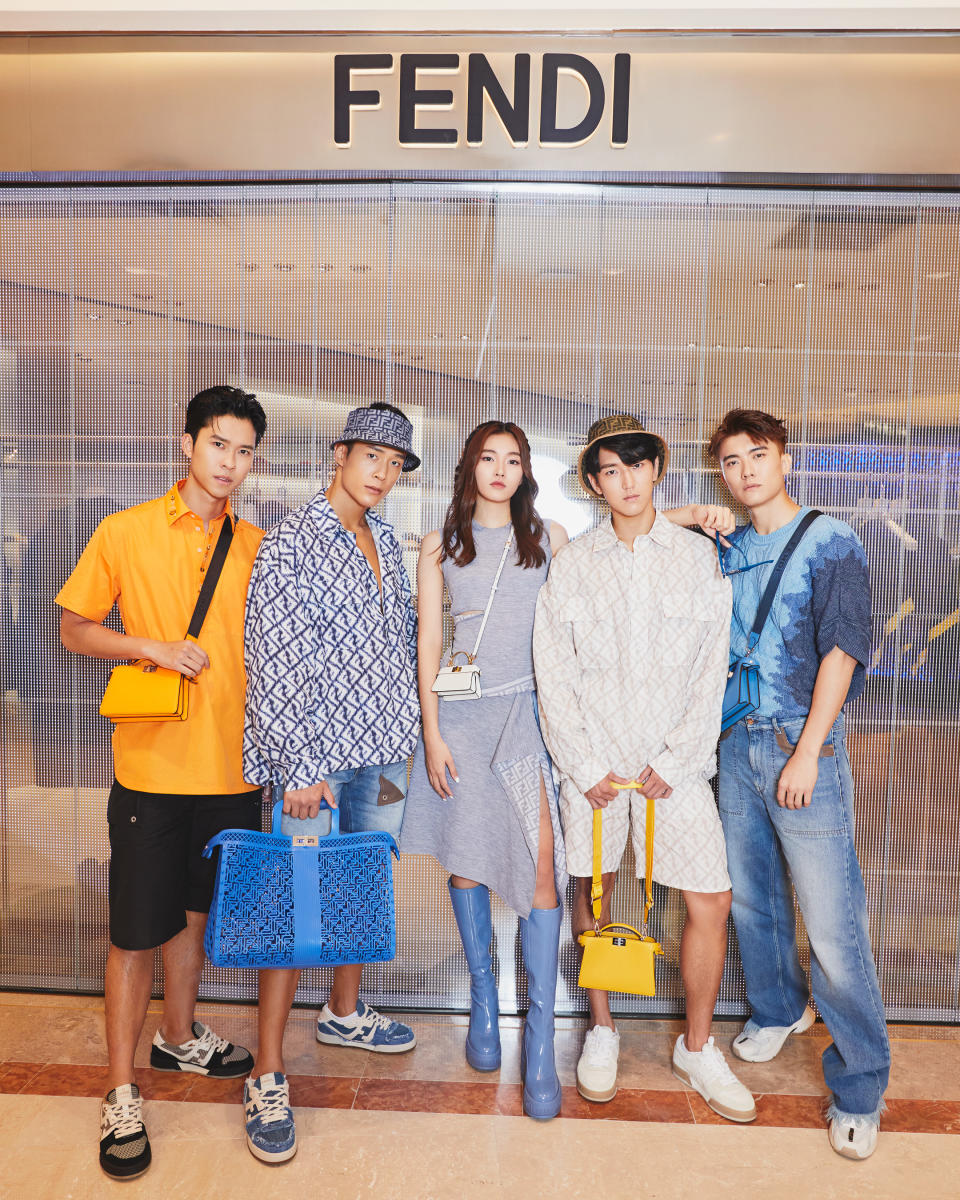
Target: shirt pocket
[[683, 626]]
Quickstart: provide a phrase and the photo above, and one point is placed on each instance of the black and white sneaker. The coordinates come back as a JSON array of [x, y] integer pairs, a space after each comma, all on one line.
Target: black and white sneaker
[[124, 1145], [207, 1054]]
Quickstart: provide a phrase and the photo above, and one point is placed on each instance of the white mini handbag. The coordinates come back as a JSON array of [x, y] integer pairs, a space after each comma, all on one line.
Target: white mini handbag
[[463, 682]]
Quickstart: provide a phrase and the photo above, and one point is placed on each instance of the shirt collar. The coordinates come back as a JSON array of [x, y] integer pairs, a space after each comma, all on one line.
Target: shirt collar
[[324, 514], [663, 532], [175, 507]]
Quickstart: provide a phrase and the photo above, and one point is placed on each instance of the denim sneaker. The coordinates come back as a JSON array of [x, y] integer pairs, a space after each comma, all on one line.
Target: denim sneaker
[[365, 1030], [852, 1136], [206, 1054], [271, 1131], [124, 1145]]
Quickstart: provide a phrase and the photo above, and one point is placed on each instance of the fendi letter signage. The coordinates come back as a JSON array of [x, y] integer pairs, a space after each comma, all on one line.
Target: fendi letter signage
[[575, 98]]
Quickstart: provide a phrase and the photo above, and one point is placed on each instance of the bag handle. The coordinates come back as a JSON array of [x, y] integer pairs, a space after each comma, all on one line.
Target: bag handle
[[212, 579], [766, 601], [278, 813], [596, 890], [486, 612]]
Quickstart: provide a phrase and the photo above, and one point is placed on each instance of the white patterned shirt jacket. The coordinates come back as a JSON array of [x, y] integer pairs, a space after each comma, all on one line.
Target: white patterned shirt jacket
[[331, 674], [631, 653]]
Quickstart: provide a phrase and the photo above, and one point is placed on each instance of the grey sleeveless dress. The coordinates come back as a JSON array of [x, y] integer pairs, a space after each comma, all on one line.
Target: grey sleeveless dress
[[489, 831]]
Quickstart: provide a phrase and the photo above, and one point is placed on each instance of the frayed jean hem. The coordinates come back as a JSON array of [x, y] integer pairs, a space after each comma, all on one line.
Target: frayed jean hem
[[867, 1118]]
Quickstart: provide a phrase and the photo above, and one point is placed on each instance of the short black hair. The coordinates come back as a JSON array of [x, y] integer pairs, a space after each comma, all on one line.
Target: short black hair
[[224, 401], [631, 448]]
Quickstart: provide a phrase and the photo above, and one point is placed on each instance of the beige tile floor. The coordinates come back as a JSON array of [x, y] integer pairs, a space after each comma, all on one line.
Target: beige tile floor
[[48, 1143]]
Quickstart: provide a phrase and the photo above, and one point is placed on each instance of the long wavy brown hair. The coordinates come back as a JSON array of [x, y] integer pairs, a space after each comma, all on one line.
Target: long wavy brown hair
[[458, 541]]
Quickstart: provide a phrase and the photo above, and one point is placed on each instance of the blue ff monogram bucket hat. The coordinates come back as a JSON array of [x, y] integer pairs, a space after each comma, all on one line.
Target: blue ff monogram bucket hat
[[381, 427]]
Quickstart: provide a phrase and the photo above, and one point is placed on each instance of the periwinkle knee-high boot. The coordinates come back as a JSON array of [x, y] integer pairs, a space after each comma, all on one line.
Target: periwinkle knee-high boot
[[540, 940], [471, 907]]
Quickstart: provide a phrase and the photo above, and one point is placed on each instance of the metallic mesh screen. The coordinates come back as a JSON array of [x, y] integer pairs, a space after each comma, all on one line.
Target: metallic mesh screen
[[548, 304]]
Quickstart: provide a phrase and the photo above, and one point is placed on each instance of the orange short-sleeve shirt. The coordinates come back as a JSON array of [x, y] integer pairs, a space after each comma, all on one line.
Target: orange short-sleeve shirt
[[150, 561]]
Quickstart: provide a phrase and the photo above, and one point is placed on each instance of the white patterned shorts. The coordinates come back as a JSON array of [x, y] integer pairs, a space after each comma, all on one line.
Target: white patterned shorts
[[688, 847]]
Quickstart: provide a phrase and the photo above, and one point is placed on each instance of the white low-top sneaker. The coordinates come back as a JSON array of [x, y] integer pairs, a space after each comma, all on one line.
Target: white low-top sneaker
[[597, 1068], [760, 1045], [853, 1137], [707, 1073]]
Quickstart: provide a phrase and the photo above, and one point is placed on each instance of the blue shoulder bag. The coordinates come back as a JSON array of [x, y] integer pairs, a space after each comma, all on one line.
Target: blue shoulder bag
[[742, 694]]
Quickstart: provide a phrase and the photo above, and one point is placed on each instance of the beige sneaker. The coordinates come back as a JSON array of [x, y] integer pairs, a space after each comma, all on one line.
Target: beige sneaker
[[597, 1068], [707, 1073], [853, 1137]]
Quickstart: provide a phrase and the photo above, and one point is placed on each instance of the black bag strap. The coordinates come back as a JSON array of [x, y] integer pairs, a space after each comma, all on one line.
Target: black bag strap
[[212, 578], [766, 600]]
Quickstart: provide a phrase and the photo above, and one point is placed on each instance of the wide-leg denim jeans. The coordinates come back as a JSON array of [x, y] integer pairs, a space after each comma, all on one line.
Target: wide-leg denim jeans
[[767, 848]]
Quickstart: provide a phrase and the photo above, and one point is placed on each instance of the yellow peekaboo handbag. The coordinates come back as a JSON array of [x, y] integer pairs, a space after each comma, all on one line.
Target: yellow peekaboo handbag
[[142, 691], [619, 958]]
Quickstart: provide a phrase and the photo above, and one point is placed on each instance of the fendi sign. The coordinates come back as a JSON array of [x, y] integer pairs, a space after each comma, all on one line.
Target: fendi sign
[[491, 98]]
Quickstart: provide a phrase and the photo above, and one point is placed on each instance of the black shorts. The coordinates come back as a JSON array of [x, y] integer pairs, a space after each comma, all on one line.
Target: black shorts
[[157, 870]]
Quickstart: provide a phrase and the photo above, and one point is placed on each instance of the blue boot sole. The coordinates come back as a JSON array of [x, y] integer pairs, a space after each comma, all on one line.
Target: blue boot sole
[[540, 1109], [481, 1061]]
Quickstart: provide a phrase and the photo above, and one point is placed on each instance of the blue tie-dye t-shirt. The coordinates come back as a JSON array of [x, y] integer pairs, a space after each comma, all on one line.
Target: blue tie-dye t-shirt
[[823, 601]]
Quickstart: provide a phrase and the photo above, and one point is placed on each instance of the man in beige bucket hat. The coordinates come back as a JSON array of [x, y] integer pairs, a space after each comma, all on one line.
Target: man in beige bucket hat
[[630, 649]]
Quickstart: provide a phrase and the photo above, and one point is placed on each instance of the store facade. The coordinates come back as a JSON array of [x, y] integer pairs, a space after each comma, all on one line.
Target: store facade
[[538, 227]]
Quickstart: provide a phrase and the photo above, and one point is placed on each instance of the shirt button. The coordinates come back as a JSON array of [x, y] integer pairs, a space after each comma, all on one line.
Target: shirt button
[[199, 549]]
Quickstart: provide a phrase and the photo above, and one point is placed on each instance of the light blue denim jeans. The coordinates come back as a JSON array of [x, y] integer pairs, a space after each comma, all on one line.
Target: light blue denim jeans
[[358, 793], [767, 847]]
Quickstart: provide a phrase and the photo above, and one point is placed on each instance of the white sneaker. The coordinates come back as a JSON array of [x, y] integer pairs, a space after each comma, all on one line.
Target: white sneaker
[[760, 1045], [707, 1073], [853, 1137], [597, 1068]]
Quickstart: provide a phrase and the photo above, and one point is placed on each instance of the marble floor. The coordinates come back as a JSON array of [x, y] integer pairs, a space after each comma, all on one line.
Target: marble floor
[[424, 1126]]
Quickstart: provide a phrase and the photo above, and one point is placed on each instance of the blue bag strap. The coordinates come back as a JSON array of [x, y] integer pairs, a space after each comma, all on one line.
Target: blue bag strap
[[766, 601], [307, 904]]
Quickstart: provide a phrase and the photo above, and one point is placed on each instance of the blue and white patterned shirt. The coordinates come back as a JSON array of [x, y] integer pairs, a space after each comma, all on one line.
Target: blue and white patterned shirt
[[331, 676]]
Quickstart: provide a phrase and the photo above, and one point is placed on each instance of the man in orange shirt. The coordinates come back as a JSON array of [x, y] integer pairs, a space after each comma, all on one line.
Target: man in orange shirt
[[177, 782]]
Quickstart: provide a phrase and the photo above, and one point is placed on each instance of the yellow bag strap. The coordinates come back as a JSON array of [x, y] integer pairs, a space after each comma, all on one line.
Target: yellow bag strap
[[596, 890]]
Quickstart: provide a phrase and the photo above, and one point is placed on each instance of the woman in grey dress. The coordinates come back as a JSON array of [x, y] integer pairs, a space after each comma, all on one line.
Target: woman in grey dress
[[481, 798]]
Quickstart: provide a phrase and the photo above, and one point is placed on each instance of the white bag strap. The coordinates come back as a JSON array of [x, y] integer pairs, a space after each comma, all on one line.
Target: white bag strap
[[496, 581]]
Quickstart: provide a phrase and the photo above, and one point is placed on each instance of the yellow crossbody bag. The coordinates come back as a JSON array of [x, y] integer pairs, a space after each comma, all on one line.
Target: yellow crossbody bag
[[142, 691], [619, 958]]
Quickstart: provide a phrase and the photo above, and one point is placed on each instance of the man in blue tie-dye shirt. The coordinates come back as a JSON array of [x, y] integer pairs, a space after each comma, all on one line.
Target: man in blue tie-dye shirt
[[786, 789]]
